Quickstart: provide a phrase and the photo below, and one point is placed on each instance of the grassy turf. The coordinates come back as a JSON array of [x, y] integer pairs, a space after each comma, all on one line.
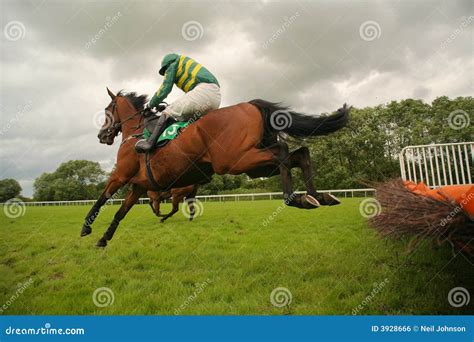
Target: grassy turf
[[225, 262]]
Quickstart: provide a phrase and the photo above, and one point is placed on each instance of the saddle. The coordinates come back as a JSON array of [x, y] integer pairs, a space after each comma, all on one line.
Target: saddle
[[171, 132]]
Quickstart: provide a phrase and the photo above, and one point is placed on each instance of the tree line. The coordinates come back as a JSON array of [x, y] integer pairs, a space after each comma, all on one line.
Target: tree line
[[365, 151]]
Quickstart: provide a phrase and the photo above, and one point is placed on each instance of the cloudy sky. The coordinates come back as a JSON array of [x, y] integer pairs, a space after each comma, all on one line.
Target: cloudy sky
[[58, 56]]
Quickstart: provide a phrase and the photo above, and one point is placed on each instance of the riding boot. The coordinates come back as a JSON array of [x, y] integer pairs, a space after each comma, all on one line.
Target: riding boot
[[145, 145]]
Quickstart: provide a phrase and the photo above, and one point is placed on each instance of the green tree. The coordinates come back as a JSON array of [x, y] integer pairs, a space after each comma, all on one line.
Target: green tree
[[9, 188], [72, 180]]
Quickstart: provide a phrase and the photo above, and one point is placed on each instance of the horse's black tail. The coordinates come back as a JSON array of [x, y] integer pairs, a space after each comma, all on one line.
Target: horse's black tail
[[279, 118]]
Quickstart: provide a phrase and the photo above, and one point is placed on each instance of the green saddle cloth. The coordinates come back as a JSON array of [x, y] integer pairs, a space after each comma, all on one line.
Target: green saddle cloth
[[170, 133]]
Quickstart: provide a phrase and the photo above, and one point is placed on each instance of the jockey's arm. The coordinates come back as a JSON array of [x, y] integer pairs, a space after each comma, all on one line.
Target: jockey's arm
[[166, 86]]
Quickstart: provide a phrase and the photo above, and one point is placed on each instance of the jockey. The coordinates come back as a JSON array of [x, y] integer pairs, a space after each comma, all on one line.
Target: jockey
[[202, 94]]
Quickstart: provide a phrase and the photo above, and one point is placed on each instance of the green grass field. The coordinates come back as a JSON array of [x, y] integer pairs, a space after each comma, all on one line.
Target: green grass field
[[225, 262]]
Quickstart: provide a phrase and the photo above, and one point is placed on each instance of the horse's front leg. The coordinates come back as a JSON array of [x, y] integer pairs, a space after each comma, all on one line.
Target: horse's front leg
[[110, 189], [132, 197]]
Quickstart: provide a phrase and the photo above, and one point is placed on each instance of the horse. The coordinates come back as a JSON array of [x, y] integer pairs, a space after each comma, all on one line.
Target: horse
[[244, 138], [177, 195]]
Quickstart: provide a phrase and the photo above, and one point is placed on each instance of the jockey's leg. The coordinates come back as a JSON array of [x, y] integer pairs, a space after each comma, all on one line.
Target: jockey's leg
[[191, 106], [195, 103], [145, 145]]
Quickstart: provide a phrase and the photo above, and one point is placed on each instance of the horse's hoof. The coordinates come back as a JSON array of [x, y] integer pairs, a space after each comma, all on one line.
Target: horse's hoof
[[86, 230], [309, 202], [101, 243], [330, 199]]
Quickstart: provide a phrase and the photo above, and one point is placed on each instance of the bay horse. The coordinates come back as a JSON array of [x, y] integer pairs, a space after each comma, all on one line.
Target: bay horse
[[243, 138], [177, 195]]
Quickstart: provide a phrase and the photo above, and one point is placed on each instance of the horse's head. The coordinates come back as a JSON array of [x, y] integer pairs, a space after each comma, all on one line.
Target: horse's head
[[111, 127], [123, 114]]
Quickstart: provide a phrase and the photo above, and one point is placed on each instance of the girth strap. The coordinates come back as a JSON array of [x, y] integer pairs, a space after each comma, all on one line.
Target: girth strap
[[149, 174]]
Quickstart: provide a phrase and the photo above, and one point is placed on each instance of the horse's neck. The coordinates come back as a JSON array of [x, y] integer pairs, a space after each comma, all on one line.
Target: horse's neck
[[131, 127]]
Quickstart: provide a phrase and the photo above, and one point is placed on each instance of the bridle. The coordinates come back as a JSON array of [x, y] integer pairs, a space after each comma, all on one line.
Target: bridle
[[117, 126]]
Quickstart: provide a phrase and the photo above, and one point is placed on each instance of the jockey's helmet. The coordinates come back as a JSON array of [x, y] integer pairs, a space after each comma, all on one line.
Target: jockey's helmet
[[167, 60]]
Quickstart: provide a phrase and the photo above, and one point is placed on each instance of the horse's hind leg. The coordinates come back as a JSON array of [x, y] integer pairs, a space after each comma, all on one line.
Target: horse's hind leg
[[172, 212], [190, 199], [301, 158], [111, 188], [292, 199], [151, 203], [132, 197], [267, 163]]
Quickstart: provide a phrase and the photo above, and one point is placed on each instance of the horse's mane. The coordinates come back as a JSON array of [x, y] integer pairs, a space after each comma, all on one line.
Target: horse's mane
[[138, 101]]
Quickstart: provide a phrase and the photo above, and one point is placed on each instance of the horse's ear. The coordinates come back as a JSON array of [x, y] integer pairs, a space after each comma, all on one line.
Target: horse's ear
[[112, 95]]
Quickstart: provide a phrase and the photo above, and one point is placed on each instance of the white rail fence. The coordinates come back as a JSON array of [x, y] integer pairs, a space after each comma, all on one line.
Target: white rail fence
[[217, 198], [438, 164]]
